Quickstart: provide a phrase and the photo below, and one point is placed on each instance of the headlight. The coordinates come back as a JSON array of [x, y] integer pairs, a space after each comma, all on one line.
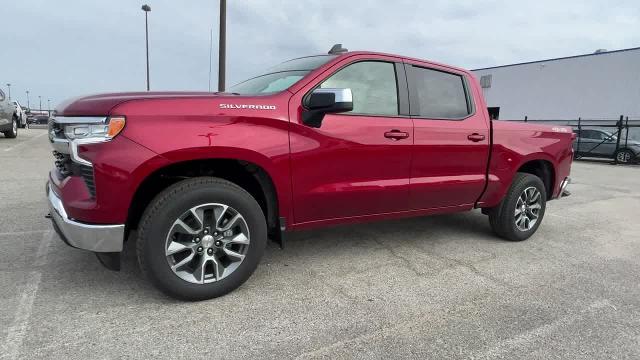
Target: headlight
[[105, 130]]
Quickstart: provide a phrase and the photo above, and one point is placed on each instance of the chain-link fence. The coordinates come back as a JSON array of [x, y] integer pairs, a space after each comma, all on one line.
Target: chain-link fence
[[617, 139]]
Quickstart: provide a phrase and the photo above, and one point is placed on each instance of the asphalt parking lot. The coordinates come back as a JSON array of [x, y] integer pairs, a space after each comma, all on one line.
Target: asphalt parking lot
[[440, 287]]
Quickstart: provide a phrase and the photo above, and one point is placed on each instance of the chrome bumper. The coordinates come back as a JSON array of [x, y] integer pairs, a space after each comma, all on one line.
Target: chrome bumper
[[563, 187], [97, 238]]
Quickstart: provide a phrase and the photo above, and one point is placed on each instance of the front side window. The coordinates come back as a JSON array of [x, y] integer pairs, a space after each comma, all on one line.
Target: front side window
[[373, 85], [440, 95]]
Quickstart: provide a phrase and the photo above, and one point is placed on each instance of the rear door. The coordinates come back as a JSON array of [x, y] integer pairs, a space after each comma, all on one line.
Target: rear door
[[451, 138], [356, 163]]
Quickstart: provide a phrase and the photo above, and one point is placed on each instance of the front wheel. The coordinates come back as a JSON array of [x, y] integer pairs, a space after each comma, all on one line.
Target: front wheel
[[201, 238], [520, 213]]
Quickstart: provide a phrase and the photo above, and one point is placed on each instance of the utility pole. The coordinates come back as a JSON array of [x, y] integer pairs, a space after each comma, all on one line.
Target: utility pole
[[49, 106], [40, 100], [9, 86], [222, 47], [210, 55], [28, 105], [146, 8]]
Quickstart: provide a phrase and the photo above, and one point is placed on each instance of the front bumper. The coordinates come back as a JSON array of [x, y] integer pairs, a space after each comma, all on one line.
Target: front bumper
[[96, 238]]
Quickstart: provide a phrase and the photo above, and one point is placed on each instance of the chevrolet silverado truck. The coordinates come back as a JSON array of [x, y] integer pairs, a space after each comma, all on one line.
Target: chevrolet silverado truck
[[201, 180]]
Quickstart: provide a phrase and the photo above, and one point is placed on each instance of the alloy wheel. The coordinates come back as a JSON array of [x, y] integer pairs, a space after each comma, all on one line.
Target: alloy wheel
[[623, 156], [528, 208], [207, 243]]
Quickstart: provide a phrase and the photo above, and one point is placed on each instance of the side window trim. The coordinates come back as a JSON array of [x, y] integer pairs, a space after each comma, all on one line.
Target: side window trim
[[404, 105], [400, 95], [413, 94]]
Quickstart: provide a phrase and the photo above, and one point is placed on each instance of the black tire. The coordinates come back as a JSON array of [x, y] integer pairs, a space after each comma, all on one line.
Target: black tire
[[13, 132], [175, 200], [502, 218], [624, 156]]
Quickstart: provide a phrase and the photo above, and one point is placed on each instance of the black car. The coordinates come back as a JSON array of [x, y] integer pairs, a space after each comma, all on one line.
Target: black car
[[40, 120]]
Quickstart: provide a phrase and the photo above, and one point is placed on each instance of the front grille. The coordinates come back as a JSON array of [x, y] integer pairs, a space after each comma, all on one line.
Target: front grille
[[63, 164], [56, 131], [67, 168]]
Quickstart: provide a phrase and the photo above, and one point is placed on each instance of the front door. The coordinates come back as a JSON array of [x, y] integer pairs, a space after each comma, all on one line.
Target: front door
[[356, 163]]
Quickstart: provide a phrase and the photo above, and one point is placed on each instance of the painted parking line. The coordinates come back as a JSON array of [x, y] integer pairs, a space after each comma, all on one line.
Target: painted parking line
[[18, 329]]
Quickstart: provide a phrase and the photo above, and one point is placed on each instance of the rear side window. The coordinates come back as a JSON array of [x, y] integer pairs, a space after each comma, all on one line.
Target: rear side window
[[440, 95], [373, 84]]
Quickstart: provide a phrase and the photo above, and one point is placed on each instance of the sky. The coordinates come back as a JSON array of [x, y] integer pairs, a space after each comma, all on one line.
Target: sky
[[67, 48]]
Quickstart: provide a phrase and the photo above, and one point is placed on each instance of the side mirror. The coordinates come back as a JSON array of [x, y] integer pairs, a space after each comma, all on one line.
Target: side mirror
[[326, 101]]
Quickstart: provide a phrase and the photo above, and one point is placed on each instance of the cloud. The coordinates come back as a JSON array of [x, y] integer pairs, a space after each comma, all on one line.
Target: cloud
[[63, 49]]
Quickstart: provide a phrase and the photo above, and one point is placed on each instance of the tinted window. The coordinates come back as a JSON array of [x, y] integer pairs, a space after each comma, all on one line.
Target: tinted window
[[440, 95], [590, 134], [604, 135], [373, 84]]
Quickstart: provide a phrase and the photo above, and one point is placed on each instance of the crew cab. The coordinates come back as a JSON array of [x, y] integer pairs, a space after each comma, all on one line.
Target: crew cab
[[201, 180]]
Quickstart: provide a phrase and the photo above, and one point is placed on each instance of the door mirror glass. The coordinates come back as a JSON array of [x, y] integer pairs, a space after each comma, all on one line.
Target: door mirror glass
[[325, 101]]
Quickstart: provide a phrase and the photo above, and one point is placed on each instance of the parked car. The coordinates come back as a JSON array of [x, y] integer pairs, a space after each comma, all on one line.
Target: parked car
[[39, 120], [8, 118], [346, 137], [22, 114], [603, 144]]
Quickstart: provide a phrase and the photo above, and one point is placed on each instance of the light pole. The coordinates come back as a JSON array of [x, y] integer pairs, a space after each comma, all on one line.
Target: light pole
[[146, 8], [28, 105], [40, 100], [9, 86], [49, 106], [222, 45]]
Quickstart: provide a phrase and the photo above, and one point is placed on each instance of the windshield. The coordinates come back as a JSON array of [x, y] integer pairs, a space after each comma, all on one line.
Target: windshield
[[280, 77]]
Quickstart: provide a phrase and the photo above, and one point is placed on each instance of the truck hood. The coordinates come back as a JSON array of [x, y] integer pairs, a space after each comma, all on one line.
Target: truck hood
[[101, 104]]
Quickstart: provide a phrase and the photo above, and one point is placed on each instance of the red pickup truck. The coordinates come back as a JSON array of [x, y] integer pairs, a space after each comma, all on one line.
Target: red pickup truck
[[204, 179]]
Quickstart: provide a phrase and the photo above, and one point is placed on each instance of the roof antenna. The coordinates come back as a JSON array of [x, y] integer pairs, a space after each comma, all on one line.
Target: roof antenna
[[337, 49]]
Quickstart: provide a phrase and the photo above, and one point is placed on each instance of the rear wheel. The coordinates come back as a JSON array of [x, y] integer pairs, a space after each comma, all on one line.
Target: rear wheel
[[201, 238], [14, 129], [520, 213], [624, 156]]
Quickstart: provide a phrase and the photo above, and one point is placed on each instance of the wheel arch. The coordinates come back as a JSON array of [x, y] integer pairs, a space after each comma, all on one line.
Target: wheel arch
[[543, 169], [253, 178]]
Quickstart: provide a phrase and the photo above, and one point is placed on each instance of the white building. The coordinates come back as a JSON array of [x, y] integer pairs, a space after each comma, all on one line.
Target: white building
[[602, 85]]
